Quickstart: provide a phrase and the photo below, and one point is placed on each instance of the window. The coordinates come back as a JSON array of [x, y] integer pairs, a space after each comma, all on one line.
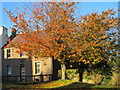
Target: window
[[22, 54], [37, 67], [8, 69], [8, 53]]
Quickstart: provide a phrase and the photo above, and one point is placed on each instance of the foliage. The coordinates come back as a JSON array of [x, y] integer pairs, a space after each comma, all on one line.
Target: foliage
[[115, 64], [47, 31], [70, 74], [97, 78], [95, 45], [100, 72], [116, 79]]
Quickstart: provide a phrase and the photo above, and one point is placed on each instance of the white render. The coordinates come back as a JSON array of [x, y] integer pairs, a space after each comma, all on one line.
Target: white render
[[3, 36]]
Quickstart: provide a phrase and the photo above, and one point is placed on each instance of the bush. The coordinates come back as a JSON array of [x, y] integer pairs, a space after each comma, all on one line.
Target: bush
[[116, 79], [97, 78], [70, 74], [86, 75]]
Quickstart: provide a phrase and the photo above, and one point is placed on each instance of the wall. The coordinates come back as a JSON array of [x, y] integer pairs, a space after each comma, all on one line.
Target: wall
[[3, 36], [13, 53], [46, 67], [15, 67], [3, 40]]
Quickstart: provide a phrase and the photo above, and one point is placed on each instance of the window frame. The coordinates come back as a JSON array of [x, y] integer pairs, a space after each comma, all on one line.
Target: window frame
[[37, 67], [9, 70], [22, 54], [8, 53]]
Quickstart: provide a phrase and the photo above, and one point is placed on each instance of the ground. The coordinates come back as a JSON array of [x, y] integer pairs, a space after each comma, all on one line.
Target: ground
[[57, 84]]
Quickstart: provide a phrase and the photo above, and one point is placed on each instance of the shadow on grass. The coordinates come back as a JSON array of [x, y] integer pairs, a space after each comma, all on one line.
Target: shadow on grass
[[78, 85], [59, 85], [87, 86]]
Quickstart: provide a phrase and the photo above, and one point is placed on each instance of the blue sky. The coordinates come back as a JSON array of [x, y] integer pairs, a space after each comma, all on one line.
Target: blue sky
[[85, 8]]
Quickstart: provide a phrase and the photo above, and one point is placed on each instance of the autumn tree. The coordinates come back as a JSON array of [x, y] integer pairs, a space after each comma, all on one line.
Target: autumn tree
[[50, 29], [46, 29], [95, 40]]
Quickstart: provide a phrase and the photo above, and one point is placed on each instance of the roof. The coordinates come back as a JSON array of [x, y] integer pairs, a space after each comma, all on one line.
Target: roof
[[19, 38]]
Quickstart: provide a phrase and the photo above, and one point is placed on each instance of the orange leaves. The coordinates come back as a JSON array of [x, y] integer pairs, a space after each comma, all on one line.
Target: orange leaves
[[24, 13], [21, 15], [116, 52], [50, 25], [17, 51], [6, 47], [103, 37], [38, 17], [92, 23], [104, 31], [57, 38], [73, 55], [25, 44], [50, 30]]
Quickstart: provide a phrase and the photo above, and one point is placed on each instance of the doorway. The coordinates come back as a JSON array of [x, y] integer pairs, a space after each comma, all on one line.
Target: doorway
[[22, 72]]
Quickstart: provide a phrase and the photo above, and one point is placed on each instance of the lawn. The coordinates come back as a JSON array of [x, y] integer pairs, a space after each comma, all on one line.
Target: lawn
[[58, 84]]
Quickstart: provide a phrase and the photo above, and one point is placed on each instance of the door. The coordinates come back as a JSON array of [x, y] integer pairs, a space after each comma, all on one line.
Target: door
[[22, 72]]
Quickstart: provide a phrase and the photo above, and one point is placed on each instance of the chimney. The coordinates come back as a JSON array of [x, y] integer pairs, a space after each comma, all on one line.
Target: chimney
[[3, 30], [13, 32]]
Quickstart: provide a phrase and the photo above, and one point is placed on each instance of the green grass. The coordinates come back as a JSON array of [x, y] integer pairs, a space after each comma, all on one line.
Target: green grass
[[57, 84]]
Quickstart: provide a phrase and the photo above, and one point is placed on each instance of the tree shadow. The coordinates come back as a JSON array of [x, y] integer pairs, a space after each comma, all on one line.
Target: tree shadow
[[79, 85]]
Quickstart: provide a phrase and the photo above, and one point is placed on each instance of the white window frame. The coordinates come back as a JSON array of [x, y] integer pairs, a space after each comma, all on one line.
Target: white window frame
[[37, 67], [9, 69]]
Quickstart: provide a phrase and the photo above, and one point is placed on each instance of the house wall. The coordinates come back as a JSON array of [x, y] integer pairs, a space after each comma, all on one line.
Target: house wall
[[15, 64], [14, 54], [15, 67], [46, 67], [15, 60], [46, 63]]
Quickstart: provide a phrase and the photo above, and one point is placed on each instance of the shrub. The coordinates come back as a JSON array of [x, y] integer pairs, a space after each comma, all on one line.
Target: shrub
[[116, 79], [97, 78], [70, 74]]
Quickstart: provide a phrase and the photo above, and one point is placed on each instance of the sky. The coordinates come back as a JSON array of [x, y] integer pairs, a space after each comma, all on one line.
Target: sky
[[85, 8]]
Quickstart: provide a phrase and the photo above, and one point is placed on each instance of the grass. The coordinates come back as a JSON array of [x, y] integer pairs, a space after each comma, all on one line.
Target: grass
[[57, 84]]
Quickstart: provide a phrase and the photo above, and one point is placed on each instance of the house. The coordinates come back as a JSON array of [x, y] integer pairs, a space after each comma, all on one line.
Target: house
[[20, 67]]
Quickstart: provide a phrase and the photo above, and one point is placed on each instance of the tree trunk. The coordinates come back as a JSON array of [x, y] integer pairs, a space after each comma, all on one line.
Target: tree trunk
[[81, 71], [63, 68], [101, 80]]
